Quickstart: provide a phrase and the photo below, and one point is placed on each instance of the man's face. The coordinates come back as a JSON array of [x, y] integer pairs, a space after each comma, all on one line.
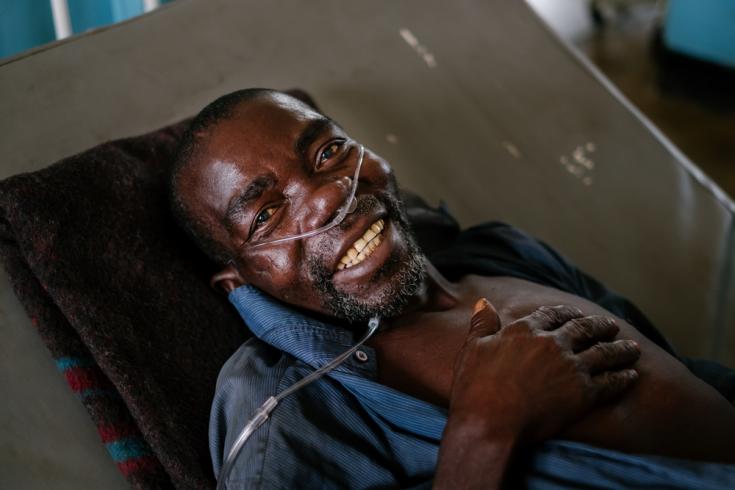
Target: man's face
[[278, 168]]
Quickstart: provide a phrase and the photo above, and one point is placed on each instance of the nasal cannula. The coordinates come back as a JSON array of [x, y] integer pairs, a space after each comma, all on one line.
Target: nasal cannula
[[262, 413]]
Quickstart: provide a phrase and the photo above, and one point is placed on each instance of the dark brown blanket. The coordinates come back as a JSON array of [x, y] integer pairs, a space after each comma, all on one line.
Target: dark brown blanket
[[121, 299]]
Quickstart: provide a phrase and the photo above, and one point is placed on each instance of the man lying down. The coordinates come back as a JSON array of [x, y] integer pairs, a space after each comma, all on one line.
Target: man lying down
[[497, 360]]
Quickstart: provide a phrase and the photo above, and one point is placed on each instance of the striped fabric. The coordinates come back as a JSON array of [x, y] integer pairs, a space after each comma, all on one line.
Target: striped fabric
[[116, 429], [348, 431]]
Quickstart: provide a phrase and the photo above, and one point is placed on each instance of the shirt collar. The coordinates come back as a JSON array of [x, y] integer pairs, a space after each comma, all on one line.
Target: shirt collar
[[309, 339]]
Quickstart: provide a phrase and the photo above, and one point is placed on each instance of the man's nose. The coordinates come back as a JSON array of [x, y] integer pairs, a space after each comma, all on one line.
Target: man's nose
[[324, 202]]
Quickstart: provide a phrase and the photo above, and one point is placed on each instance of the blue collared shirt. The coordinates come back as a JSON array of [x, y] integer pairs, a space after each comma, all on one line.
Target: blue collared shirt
[[346, 430]]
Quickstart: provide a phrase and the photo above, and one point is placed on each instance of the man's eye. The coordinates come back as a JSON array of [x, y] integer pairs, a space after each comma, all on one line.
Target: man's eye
[[264, 216], [330, 151]]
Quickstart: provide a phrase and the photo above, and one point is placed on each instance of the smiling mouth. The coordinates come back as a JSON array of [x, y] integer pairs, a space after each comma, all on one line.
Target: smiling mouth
[[363, 246]]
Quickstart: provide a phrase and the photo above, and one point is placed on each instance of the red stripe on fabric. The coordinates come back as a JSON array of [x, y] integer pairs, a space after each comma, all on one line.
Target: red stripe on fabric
[[110, 433], [136, 465], [84, 378]]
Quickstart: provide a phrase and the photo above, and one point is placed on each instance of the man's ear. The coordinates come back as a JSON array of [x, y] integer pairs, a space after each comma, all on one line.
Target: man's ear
[[227, 279]]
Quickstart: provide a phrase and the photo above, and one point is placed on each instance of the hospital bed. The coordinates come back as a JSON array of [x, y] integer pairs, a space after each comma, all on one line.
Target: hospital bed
[[475, 103]]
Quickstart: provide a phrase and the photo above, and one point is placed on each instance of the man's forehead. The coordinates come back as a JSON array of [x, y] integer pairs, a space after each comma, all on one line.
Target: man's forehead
[[273, 113], [259, 131], [289, 104], [267, 126]]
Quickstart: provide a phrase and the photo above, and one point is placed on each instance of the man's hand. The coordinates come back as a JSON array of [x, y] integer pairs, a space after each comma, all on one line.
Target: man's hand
[[523, 383], [542, 372]]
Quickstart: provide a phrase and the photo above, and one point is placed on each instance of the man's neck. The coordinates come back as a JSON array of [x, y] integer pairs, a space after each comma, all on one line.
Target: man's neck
[[436, 293]]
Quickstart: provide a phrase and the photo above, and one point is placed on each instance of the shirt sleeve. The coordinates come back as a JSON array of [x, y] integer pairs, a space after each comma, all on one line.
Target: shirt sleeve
[[317, 437], [246, 380]]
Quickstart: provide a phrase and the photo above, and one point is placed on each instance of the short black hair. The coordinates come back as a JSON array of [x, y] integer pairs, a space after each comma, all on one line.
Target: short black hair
[[189, 146]]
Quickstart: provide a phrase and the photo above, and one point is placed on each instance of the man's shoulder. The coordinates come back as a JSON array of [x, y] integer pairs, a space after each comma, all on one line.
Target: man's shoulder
[[495, 239], [499, 249], [247, 378], [254, 358]]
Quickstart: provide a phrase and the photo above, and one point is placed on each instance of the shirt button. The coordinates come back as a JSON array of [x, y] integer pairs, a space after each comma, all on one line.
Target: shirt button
[[361, 356]]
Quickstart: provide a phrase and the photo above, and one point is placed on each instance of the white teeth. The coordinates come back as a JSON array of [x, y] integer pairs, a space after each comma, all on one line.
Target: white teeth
[[360, 244], [363, 246]]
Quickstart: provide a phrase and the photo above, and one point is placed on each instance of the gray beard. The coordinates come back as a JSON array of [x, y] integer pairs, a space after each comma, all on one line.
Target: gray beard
[[407, 274]]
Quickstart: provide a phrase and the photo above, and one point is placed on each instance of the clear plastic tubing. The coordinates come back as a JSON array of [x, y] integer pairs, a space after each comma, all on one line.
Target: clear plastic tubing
[[262, 413]]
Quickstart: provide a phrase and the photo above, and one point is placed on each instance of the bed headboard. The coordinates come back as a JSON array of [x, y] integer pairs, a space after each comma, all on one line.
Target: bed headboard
[[474, 102]]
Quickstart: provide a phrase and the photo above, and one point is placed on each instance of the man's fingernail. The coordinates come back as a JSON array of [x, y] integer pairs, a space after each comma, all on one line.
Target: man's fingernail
[[480, 305]]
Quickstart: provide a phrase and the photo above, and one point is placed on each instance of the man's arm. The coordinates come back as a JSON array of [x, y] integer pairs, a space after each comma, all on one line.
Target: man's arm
[[720, 377], [475, 453], [499, 249], [517, 386]]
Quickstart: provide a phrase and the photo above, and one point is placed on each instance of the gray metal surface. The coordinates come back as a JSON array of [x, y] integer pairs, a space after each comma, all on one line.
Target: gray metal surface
[[474, 102]]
